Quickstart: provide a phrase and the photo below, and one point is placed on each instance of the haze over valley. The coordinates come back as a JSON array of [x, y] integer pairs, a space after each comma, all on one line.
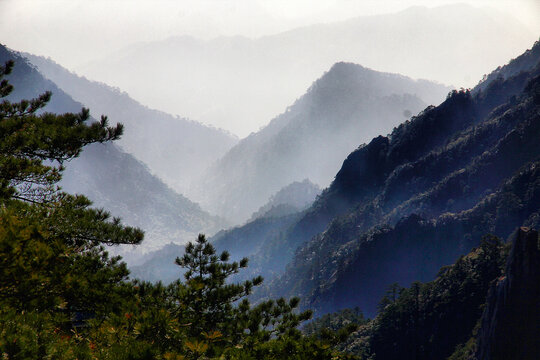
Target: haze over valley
[[198, 179], [239, 83]]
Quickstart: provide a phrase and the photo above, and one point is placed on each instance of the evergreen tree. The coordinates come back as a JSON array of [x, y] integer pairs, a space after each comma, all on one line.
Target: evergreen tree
[[207, 317], [63, 297], [54, 270]]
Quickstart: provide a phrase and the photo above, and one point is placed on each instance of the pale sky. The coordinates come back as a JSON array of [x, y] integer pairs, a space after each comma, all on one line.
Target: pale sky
[[76, 32], [73, 32]]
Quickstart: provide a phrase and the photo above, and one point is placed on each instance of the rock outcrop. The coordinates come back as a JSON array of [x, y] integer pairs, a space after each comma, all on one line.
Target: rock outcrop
[[510, 324]]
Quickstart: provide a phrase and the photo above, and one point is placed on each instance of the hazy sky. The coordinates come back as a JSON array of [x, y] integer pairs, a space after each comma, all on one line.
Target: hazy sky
[[73, 32]]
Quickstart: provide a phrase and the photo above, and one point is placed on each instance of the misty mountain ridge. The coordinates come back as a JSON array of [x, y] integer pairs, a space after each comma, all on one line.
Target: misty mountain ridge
[[113, 179], [176, 149], [281, 210], [345, 107], [404, 205], [293, 198], [451, 44]]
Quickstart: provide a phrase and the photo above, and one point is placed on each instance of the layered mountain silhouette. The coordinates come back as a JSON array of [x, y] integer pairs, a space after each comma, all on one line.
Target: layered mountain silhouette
[[114, 179], [404, 205], [281, 211], [347, 106], [293, 198], [236, 81], [176, 149]]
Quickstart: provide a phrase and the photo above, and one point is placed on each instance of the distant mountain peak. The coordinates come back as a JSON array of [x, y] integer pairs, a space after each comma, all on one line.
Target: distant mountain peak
[[292, 198]]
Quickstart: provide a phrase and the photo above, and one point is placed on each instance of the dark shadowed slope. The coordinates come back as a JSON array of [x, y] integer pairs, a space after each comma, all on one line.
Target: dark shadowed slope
[[404, 205], [176, 149], [113, 179], [484, 306], [510, 324]]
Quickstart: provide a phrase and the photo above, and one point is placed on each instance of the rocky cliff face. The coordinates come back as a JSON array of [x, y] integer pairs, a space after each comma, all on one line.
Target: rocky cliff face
[[510, 325]]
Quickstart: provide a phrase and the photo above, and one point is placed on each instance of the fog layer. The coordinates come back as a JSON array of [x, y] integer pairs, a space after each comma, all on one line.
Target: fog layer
[[239, 83]]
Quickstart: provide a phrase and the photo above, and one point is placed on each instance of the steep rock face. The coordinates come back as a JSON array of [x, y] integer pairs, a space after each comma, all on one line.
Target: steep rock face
[[484, 306], [510, 325]]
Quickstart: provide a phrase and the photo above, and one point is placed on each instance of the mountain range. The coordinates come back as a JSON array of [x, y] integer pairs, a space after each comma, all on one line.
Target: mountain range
[[176, 149], [345, 107], [240, 83], [281, 210], [423, 235], [404, 205], [114, 179]]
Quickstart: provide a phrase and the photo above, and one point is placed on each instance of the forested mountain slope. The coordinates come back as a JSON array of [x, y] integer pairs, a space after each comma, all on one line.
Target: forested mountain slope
[[241, 241], [404, 205], [347, 106], [176, 149], [484, 306], [113, 179], [281, 211], [292, 198]]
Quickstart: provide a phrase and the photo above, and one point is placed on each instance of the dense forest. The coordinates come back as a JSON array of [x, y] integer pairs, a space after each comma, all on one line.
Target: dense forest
[[485, 306]]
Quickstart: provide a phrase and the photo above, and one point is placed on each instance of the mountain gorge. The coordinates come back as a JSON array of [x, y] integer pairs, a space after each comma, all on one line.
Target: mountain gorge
[[280, 212], [113, 179], [347, 106], [377, 217]]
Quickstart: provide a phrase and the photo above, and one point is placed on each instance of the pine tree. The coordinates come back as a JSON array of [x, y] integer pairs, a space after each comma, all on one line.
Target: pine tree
[[54, 270], [63, 297]]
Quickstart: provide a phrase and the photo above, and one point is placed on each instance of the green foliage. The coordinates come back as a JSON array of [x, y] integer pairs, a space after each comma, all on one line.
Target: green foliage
[[54, 270], [29, 138], [346, 318], [63, 297], [207, 317]]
